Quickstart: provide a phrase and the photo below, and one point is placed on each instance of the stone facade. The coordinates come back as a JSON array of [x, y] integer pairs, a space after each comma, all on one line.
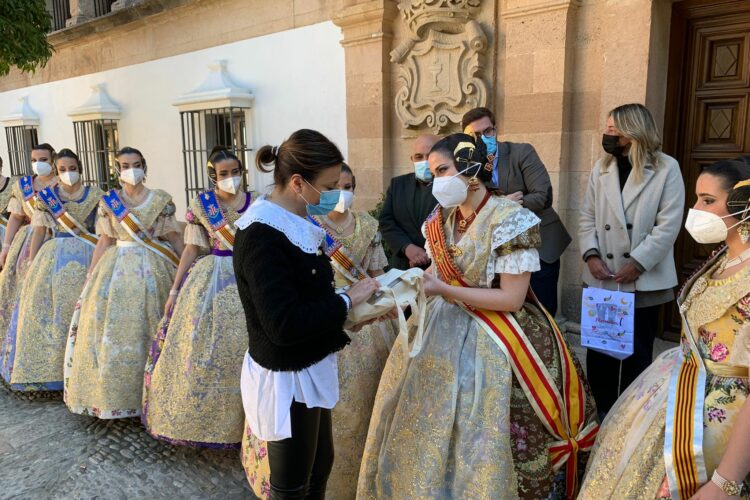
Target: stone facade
[[551, 69]]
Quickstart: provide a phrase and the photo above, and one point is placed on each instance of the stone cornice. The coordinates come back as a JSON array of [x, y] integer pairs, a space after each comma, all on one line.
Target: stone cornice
[[522, 8], [104, 23], [364, 22]]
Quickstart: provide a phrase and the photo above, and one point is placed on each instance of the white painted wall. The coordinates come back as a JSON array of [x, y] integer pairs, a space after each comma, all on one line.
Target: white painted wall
[[296, 76]]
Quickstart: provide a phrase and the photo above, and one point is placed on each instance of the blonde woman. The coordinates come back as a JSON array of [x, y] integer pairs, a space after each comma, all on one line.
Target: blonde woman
[[630, 218]]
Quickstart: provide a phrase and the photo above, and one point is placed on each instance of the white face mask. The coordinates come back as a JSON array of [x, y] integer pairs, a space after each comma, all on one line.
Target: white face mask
[[706, 227], [132, 176], [345, 201], [70, 178], [230, 184], [41, 168], [450, 191]]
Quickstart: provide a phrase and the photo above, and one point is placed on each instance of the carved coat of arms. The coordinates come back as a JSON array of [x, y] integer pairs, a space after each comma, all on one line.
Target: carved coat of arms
[[439, 71]]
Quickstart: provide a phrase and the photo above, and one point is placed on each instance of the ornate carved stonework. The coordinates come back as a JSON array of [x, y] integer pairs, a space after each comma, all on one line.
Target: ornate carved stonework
[[439, 66]]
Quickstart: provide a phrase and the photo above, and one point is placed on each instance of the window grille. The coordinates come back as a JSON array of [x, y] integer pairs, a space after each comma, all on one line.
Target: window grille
[[97, 143], [102, 7], [60, 13], [203, 130], [21, 139]]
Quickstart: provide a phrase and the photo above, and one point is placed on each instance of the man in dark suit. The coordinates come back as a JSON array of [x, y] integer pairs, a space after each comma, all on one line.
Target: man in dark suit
[[407, 204], [522, 177]]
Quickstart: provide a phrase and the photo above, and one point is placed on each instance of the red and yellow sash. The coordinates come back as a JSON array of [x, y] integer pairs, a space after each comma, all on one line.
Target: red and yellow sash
[[564, 415], [683, 436], [339, 257]]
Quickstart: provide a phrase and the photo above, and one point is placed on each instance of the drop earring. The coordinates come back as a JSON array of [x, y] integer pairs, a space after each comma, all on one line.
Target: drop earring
[[743, 230]]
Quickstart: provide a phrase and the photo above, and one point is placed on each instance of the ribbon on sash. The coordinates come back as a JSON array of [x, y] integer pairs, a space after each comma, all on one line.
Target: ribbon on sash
[[135, 229], [563, 415], [51, 200], [26, 183], [683, 436], [223, 230], [339, 257]]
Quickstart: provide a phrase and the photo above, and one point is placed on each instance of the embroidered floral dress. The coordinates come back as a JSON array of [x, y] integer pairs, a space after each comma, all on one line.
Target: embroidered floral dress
[[452, 421], [39, 328], [6, 193], [120, 309], [628, 460], [192, 383], [16, 264]]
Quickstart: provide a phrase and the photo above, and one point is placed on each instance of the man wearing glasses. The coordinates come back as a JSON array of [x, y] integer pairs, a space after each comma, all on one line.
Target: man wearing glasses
[[521, 176]]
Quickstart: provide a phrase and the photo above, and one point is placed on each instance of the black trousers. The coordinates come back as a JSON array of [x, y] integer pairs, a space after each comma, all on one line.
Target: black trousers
[[300, 465], [605, 379], [544, 284]]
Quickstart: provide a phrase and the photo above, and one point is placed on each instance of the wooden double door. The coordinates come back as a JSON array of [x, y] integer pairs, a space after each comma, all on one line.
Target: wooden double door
[[708, 103]]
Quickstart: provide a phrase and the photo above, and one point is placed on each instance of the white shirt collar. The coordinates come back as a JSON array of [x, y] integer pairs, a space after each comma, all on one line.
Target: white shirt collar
[[298, 230]]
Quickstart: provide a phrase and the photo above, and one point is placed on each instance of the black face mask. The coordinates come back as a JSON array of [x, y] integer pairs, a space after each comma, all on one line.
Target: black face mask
[[611, 146]]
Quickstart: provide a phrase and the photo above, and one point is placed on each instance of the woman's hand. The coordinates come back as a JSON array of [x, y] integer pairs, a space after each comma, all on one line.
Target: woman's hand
[[599, 269], [362, 290], [433, 285], [4, 255], [170, 304], [628, 274], [710, 491]]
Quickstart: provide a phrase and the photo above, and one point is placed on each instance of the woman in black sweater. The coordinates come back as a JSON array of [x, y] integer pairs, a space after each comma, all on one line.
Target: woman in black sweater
[[294, 315]]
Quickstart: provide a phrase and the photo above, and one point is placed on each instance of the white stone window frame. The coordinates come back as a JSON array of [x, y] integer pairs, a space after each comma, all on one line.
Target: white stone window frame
[[22, 135], [95, 125], [216, 113]]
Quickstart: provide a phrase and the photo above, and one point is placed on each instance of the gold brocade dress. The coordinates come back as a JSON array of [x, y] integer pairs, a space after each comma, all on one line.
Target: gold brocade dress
[[16, 265], [49, 294], [628, 458], [452, 421], [6, 193], [192, 384], [360, 365], [120, 310]]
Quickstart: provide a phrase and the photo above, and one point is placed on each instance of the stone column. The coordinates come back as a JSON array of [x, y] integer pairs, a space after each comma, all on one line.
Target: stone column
[[80, 12], [536, 68], [367, 42]]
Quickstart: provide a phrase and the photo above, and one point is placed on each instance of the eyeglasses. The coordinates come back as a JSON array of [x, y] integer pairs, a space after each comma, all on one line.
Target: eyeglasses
[[488, 132]]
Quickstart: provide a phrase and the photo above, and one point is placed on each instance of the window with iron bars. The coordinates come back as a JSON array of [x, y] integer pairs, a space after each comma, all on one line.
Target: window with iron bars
[[60, 11], [97, 143], [203, 130], [102, 7], [21, 139]]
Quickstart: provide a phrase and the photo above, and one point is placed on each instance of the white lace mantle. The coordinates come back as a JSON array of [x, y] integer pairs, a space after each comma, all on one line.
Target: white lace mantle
[[298, 230]]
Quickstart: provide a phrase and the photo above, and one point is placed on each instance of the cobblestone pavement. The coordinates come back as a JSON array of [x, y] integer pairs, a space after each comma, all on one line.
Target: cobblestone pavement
[[48, 452]]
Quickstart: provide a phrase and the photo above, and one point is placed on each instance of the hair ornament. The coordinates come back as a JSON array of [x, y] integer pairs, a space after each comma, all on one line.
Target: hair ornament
[[740, 184], [275, 151]]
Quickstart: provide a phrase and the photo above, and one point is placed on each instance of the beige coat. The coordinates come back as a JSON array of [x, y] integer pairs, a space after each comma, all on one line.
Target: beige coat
[[642, 222]]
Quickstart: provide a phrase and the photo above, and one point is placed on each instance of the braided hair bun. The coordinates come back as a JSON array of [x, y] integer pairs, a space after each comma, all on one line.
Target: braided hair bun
[[469, 155]]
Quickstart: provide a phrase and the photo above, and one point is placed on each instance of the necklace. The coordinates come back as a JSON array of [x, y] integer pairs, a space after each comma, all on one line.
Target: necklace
[[464, 223], [734, 261], [339, 228]]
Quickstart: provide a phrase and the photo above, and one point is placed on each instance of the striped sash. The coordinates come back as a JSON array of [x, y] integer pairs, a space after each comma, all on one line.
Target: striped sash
[[683, 436], [340, 259], [49, 197], [223, 230], [3, 221], [135, 229], [563, 415]]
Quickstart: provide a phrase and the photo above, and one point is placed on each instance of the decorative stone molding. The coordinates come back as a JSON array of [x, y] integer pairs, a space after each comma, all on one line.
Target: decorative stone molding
[[218, 90], [99, 106], [439, 66], [22, 115], [521, 8], [124, 4]]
